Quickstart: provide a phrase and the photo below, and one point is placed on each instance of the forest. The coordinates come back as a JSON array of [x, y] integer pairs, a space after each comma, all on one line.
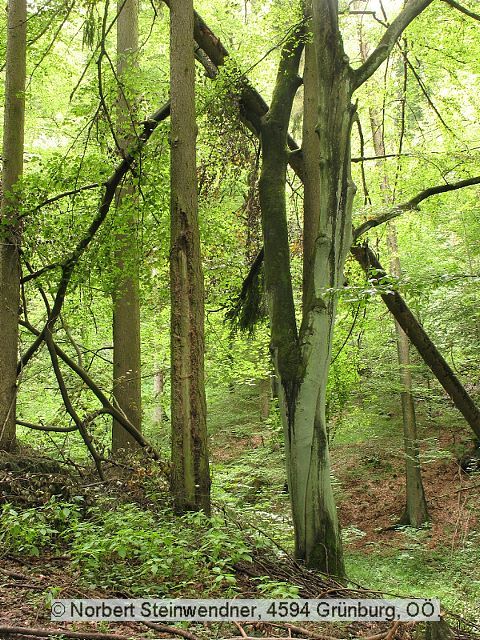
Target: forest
[[239, 311]]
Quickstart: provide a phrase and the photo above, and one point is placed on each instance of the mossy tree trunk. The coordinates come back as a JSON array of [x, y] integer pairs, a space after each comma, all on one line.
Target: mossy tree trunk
[[10, 226], [302, 356], [127, 389], [190, 467]]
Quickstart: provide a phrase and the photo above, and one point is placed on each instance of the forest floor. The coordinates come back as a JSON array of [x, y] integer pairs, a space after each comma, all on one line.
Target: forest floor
[[438, 561]]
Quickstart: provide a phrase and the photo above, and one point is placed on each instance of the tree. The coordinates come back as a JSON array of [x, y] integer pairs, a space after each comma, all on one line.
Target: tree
[[302, 355], [127, 389], [190, 478], [10, 225], [416, 510]]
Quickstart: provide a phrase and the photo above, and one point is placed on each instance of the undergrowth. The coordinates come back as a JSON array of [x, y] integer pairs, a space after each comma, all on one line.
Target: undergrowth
[[134, 551]]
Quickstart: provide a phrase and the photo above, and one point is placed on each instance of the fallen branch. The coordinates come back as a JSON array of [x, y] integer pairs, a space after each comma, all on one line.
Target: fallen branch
[[163, 628], [384, 635], [60, 633]]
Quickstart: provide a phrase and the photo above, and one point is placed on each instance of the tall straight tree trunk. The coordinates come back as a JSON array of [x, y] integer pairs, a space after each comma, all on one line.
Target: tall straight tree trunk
[[190, 479], [127, 389], [10, 227], [416, 510]]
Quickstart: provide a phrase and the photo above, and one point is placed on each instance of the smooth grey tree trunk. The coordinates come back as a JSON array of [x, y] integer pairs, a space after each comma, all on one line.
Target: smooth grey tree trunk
[[190, 478], [127, 390], [10, 234]]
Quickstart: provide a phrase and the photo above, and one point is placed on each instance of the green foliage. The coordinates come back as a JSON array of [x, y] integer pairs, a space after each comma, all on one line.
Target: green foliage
[[131, 549], [30, 531], [276, 589]]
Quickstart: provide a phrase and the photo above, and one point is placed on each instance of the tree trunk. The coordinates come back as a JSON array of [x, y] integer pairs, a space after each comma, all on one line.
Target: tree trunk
[[438, 631], [302, 359], [157, 396], [127, 388], [190, 466], [10, 237], [416, 510], [264, 387]]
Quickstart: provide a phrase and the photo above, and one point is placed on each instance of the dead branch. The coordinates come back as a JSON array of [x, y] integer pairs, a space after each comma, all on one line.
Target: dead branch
[[163, 628], [60, 633], [108, 407]]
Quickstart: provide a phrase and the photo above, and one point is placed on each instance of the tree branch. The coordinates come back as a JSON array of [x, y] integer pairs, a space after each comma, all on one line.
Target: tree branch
[[43, 427], [59, 633], [60, 196], [411, 10], [69, 406], [462, 9], [68, 266], [412, 204], [40, 272], [95, 389]]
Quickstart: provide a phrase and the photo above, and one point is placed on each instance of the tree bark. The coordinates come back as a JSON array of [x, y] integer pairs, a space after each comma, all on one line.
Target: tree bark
[[10, 235], [190, 467], [157, 416], [416, 510], [127, 390]]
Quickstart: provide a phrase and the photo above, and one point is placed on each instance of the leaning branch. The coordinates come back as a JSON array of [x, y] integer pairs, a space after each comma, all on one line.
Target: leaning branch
[[68, 266], [420, 339], [411, 10], [96, 390], [412, 204]]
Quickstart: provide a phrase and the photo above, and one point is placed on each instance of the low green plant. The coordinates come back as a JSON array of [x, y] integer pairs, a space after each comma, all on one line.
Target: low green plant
[[28, 531], [134, 551], [276, 589]]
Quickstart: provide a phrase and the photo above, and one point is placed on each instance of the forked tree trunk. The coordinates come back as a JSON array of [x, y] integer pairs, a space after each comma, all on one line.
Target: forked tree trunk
[[327, 216], [190, 466], [302, 358], [10, 227], [127, 389]]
